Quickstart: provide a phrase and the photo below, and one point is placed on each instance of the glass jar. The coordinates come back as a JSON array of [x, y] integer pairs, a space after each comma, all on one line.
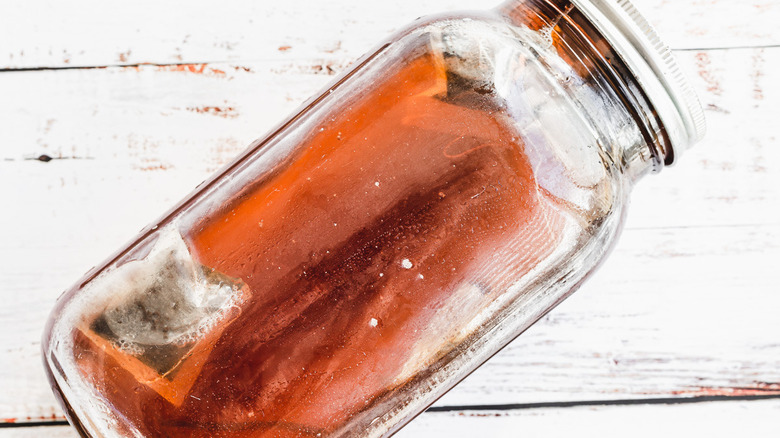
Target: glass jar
[[379, 245]]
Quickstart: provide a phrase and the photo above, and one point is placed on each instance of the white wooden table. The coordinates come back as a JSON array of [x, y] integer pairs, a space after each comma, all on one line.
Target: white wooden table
[[112, 111]]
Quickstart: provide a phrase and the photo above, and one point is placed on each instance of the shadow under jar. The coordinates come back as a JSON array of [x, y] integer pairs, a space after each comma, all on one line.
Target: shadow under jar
[[355, 264]]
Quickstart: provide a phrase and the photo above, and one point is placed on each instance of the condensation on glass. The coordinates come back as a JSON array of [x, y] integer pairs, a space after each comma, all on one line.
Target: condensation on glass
[[407, 223]]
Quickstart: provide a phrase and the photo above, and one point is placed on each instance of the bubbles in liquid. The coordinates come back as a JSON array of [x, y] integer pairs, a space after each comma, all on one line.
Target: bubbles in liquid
[[128, 347], [545, 37]]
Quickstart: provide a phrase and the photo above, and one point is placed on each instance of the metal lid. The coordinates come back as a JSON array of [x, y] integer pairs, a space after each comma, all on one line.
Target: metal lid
[[654, 67]]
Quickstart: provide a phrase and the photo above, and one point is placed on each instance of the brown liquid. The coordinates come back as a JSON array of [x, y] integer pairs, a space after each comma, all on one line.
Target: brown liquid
[[364, 256]]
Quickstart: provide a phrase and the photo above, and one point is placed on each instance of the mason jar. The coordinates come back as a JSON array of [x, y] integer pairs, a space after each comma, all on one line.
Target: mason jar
[[403, 226]]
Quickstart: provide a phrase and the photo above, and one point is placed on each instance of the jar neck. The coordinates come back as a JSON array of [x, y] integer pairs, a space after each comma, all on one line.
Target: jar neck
[[638, 142]]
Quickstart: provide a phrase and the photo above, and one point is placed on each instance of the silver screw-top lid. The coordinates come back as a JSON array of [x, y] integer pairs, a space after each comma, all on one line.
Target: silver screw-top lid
[[654, 67]]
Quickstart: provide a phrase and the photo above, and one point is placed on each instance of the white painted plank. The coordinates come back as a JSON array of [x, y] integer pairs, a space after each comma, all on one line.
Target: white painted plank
[[641, 326], [647, 325], [150, 118], [161, 120], [50, 33], [714, 420], [675, 312], [37, 432]]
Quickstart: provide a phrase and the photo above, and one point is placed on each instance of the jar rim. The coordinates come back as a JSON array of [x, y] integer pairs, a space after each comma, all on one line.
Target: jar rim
[[654, 67]]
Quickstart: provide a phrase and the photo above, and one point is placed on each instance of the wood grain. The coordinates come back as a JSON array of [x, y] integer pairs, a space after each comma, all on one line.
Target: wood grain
[[686, 305], [95, 33]]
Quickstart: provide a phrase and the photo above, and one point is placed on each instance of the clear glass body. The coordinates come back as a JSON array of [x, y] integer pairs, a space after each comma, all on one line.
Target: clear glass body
[[381, 244]]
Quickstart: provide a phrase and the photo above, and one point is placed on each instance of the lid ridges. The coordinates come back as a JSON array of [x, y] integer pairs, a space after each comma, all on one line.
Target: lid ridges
[[692, 101]]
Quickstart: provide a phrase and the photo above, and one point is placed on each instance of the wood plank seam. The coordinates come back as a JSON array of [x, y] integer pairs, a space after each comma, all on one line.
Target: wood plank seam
[[617, 402], [328, 70], [34, 424]]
